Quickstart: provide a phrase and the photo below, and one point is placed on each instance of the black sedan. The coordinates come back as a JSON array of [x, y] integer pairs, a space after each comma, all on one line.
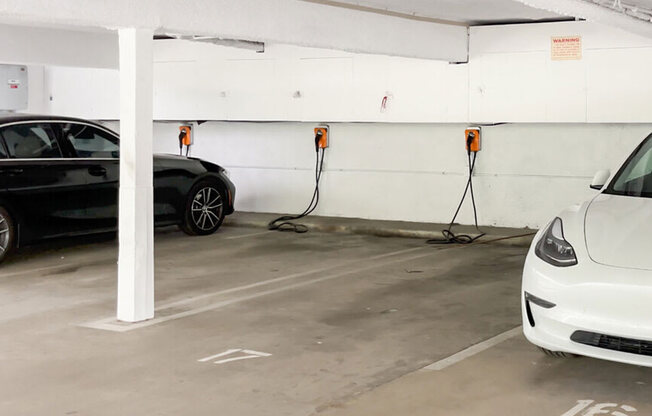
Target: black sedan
[[59, 177]]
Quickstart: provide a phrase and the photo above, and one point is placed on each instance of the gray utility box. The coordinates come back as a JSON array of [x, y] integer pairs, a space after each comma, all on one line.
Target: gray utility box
[[13, 87]]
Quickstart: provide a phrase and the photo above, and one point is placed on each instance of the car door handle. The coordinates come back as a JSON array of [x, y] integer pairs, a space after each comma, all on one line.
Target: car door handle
[[97, 171], [11, 171]]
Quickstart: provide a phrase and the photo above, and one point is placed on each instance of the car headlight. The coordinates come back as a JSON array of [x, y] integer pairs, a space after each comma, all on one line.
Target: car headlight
[[553, 248]]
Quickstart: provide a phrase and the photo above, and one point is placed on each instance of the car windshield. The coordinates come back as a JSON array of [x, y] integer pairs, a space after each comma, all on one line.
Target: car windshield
[[635, 177]]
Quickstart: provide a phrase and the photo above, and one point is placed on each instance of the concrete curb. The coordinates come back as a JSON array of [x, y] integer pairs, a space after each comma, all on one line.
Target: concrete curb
[[514, 237]]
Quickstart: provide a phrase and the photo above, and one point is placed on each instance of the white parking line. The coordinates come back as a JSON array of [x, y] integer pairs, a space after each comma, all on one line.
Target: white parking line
[[280, 279], [251, 354], [228, 360], [473, 350], [248, 354], [222, 354], [258, 353], [110, 324]]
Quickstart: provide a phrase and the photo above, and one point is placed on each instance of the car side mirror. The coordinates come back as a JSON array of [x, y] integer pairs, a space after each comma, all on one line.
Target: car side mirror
[[600, 179]]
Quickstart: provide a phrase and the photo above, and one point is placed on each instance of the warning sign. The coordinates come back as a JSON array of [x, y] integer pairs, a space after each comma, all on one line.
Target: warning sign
[[565, 48]]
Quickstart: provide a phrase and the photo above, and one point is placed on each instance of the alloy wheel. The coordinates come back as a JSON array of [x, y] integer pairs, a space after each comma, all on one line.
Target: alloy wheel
[[206, 208], [5, 236]]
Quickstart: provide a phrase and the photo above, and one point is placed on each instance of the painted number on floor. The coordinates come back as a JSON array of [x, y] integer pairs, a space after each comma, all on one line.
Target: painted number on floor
[[591, 408], [235, 354]]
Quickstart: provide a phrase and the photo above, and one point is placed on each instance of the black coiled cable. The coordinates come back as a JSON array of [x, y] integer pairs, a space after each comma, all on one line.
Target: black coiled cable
[[449, 236], [285, 223]]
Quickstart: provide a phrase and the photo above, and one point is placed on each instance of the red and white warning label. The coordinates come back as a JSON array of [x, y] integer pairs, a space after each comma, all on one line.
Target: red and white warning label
[[13, 83], [565, 48]]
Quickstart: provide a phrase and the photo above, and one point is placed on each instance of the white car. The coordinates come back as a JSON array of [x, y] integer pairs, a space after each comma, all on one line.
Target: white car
[[587, 281]]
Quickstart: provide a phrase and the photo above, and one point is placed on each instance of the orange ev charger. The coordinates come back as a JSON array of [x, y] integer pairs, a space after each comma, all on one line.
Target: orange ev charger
[[475, 140], [185, 135], [323, 140]]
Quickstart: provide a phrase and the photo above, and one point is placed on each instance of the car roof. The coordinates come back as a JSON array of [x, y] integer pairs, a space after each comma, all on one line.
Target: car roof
[[18, 117]]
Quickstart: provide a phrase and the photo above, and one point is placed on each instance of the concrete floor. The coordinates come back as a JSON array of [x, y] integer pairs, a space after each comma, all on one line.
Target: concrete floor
[[349, 321]]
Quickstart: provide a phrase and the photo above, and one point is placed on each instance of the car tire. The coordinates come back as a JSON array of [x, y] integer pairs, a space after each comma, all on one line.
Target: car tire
[[7, 233], [557, 354], [205, 208]]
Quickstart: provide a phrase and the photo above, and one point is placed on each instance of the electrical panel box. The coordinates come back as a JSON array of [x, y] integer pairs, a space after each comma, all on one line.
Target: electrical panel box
[[13, 87], [472, 139]]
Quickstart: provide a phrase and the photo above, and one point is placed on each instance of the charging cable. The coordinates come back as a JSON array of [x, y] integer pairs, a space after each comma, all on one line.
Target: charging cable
[[449, 236], [285, 223]]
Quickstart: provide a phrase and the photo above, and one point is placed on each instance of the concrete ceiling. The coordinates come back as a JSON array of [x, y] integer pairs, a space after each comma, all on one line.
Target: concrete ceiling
[[633, 16], [639, 9], [641, 3], [427, 29], [271, 21], [470, 12]]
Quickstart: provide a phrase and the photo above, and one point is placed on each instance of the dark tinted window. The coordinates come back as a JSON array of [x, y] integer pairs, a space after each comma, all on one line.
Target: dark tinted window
[[31, 141], [635, 177], [91, 142], [3, 152]]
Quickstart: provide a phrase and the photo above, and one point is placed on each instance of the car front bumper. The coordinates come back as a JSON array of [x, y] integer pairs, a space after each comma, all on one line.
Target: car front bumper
[[230, 189], [611, 301]]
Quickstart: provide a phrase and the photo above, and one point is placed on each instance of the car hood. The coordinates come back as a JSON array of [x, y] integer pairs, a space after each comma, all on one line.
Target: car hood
[[168, 156], [618, 231]]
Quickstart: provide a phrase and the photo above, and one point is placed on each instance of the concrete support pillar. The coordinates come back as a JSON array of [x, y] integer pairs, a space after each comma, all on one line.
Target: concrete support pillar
[[136, 209]]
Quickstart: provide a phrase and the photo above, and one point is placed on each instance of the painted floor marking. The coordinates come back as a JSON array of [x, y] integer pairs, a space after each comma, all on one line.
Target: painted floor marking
[[222, 354], [110, 324], [248, 355], [279, 279], [473, 350], [582, 408]]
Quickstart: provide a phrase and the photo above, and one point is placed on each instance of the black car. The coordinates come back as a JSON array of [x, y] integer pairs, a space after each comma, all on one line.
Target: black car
[[59, 177]]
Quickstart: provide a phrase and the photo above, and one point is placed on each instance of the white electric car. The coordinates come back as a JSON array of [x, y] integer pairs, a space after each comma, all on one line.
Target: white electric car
[[587, 281]]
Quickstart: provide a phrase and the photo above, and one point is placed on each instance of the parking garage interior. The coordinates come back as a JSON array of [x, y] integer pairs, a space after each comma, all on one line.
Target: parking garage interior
[[390, 166]]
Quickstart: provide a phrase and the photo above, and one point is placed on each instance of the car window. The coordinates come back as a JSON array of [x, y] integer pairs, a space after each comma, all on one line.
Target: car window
[[635, 177], [31, 141], [3, 152], [91, 142]]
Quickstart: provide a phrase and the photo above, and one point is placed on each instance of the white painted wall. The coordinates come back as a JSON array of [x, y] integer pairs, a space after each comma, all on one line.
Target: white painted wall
[[82, 92], [408, 162], [512, 78], [198, 81], [526, 173]]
